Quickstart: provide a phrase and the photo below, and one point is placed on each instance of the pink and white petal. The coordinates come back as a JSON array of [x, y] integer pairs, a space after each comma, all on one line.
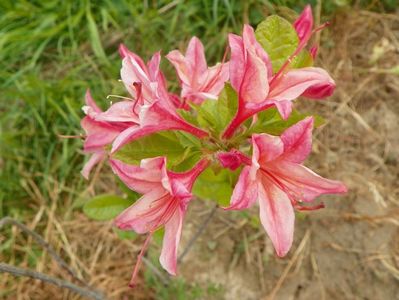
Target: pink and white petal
[[254, 86], [195, 57], [95, 158], [250, 41], [216, 77], [146, 214], [305, 183], [298, 141], [139, 179], [237, 61], [99, 134], [188, 178], [171, 240], [266, 147], [132, 72], [284, 108], [295, 82], [128, 135], [124, 52], [153, 66], [179, 62], [304, 24], [91, 103], [119, 112], [277, 216], [245, 192]]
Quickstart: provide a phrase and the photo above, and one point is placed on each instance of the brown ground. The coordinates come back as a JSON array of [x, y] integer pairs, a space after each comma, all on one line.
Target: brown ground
[[349, 250]]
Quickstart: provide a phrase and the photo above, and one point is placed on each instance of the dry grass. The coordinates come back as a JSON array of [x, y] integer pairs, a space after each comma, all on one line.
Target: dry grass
[[351, 249]]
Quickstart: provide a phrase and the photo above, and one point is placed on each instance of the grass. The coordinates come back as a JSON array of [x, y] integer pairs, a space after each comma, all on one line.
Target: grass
[[52, 51]]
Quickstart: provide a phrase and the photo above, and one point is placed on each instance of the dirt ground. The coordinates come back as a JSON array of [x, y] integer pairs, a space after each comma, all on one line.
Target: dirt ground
[[349, 250]]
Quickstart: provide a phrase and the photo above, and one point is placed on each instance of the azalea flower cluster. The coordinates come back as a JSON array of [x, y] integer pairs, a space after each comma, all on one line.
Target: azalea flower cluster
[[270, 166]]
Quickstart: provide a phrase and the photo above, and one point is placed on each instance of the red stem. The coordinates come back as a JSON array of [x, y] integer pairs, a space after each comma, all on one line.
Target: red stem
[[132, 282]]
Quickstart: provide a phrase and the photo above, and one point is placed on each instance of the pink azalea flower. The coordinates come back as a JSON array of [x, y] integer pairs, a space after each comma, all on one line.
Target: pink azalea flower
[[98, 134], [276, 178], [304, 25], [198, 81], [152, 108], [258, 89], [164, 202]]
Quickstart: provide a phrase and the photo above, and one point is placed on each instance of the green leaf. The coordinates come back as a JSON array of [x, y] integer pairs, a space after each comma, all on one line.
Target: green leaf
[[158, 144], [227, 105], [302, 60], [215, 115], [95, 37], [270, 121], [105, 207], [188, 162], [208, 115], [279, 39], [125, 234], [188, 116], [216, 186]]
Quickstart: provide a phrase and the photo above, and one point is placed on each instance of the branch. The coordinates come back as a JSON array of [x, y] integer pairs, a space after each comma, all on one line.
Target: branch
[[202, 227], [6, 268], [7, 220]]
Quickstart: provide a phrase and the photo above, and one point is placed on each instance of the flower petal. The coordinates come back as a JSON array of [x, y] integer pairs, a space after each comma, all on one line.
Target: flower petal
[[303, 182], [298, 141], [254, 85], [304, 24], [147, 213], [237, 61], [142, 179], [295, 82], [179, 62], [245, 192], [91, 103], [94, 159], [250, 42], [266, 147], [171, 239], [119, 112], [99, 134], [195, 57], [277, 216]]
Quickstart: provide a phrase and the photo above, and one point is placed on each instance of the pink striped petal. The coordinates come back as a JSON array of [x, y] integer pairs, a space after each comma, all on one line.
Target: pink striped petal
[[266, 148], [277, 216], [142, 179], [295, 82], [254, 85], [179, 62], [119, 112], [237, 61], [284, 108], [303, 182], [298, 141], [94, 159], [245, 192], [304, 24], [195, 56], [91, 103], [250, 42], [147, 214], [173, 228], [99, 134]]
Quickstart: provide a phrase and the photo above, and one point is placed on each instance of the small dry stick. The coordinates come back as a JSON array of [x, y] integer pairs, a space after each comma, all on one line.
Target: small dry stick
[[202, 227], [294, 258], [7, 220], [6, 268]]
